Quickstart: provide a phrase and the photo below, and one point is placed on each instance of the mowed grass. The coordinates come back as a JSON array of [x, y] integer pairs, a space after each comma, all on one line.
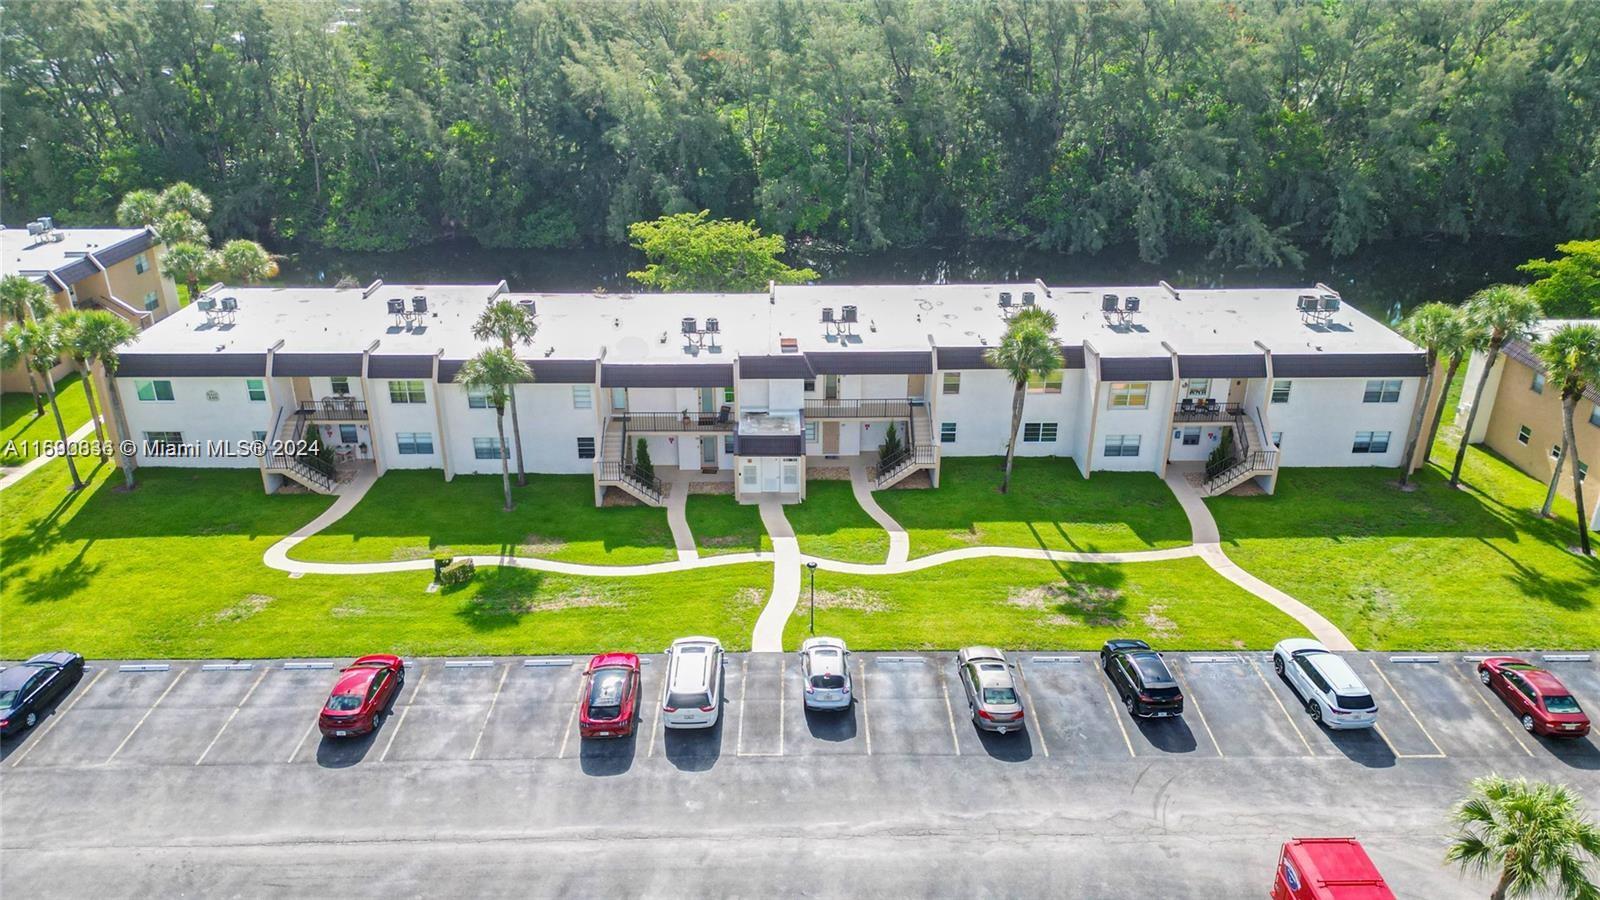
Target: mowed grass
[[19, 427], [1033, 604], [1049, 505], [722, 525], [1438, 569], [831, 524], [417, 514], [174, 569]]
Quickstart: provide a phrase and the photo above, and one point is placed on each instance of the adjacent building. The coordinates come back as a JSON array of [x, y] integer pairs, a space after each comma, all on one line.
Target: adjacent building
[[1521, 418], [758, 388]]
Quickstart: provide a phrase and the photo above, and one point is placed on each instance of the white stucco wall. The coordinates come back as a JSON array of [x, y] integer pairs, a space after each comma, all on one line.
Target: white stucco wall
[[550, 430], [1320, 421], [393, 418], [1149, 423], [231, 417]]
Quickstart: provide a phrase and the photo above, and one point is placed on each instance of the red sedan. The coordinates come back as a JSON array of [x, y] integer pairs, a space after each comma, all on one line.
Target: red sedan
[[610, 698], [360, 696], [1538, 697]]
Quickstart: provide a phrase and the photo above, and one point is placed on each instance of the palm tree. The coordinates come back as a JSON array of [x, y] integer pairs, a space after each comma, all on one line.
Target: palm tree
[[495, 370], [1495, 315], [178, 227], [512, 325], [181, 196], [1438, 329], [138, 209], [188, 262], [1534, 835], [69, 324], [1026, 351], [247, 261], [41, 346], [99, 335], [21, 299], [1571, 359]]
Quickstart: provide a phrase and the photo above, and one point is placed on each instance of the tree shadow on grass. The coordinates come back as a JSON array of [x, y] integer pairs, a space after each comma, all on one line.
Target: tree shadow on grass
[[503, 597]]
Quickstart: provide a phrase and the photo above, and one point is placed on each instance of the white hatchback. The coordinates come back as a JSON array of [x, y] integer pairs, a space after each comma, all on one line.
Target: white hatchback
[[1332, 692], [825, 671], [693, 695]]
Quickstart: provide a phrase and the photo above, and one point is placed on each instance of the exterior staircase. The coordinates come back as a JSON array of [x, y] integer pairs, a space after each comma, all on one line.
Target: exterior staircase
[[1253, 456], [921, 451], [308, 471], [614, 468]]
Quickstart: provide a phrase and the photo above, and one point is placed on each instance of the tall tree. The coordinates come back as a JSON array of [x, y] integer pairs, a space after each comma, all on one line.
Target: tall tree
[[246, 261], [1438, 329], [98, 336], [1494, 316], [1568, 287], [511, 325], [70, 325], [21, 299], [189, 263], [1571, 359], [494, 371], [1533, 838], [138, 209], [687, 252], [1028, 350], [40, 341]]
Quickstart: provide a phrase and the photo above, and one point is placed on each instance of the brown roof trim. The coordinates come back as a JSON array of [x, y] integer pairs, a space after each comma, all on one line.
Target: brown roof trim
[[654, 375], [792, 365], [1349, 365], [1222, 365], [397, 365], [1136, 368], [975, 357], [307, 364], [125, 249], [1523, 352], [871, 362], [191, 365], [770, 445]]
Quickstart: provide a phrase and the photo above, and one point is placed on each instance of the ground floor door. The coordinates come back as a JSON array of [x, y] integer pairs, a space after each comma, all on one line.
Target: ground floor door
[[1236, 391], [619, 399], [916, 386], [830, 438], [771, 476], [708, 399], [708, 454], [791, 476]]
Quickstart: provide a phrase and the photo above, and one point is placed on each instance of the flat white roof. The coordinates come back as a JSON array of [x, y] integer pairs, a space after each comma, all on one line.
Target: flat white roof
[[22, 252]]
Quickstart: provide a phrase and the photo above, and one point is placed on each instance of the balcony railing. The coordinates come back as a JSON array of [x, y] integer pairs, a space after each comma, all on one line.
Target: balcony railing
[[648, 486], [334, 408], [858, 409], [1210, 412], [712, 422], [308, 467], [912, 456]]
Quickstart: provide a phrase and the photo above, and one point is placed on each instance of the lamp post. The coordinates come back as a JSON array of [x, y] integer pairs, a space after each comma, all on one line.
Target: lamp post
[[813, 567]]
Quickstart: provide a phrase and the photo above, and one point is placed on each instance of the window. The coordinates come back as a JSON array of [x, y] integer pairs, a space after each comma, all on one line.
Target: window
[[1191, 436], [583, 396], [1130, 394], [1039, 432], [952, 382], [1122, 444], [141, 265], [727, 395], [1044, 384], [1583, 471], [586, 448], [727, 444], [1537, 386], [488, 448], [1277, 439], [947, 432], [1280, 391], [154, 390], [414, 443], [1523, 434], [257, 389], [151, 300], [347, 434], [408, 391], [1382, 391], [258, 436], [164, 440], [340, 385], [809, 386], [478, 398], [1594, 416], [1198, 387], [811, 432], [1371, 442], [1555, 451]]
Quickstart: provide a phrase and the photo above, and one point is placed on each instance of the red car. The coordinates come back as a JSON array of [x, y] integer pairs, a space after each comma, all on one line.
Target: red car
[[1538, 697], [363, 691], [610, 698], [1327, 869]]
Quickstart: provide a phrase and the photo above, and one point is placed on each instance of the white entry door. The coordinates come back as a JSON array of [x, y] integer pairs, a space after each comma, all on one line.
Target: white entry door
[[791, 476], [770, 475]]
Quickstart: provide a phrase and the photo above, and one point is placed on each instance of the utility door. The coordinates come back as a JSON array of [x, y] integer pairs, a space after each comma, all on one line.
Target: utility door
[[916, 386], [708, 453], [830, 438], [302, 391]]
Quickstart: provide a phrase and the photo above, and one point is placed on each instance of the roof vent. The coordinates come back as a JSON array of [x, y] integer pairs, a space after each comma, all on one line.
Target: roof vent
[[789, 345]]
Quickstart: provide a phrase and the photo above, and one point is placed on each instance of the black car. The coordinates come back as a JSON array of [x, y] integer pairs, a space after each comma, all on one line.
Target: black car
[[1141, 678], [28, 689]]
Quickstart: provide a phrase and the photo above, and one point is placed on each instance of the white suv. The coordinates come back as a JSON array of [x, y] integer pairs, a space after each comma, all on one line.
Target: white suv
[[1332, 692], [693, 697]]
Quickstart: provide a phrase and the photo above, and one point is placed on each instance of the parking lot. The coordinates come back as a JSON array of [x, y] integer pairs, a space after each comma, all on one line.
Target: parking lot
[[178, 761]]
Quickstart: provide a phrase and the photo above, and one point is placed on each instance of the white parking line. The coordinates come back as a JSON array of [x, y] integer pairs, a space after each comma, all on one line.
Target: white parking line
[[56, 718], [229, 720], [655, 721], [783, 664], [302, 742], [1407, 707], [949, 711], [140, 723], [1190, 699], [395, 731], [490, 714], [567, 735], [1474, 691], [1038, 724], [1116, 716], [1278, 700], [861, 697], [744, 679]]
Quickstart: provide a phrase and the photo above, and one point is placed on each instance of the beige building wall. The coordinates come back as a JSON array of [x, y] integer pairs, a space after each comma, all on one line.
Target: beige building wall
[[1516, 405], [132, 287]]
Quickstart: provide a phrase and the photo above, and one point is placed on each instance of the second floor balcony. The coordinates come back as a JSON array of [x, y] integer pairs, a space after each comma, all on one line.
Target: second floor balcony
[[1205, 410], [859, 409], [718, 422], [334, 409]]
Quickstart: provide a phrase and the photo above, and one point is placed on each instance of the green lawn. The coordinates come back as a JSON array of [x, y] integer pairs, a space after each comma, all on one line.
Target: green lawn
[[723, 525], [18, 422], [831, 524], [1010, 603], [416, 514], [1050, 505], [174, 570], [1438, 569]]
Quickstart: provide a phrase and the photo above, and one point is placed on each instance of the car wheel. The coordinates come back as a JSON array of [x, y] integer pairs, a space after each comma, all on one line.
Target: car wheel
[[377, 720], [1314, 709], [1483, 675], [1133, 706], [1527, 724], [31, 720], [1277, 664]]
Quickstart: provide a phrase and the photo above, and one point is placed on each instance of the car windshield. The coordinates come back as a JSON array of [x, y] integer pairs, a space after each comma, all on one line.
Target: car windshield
[[829, 682], [1561, 703], [1355, 701], [677, 700], [7, 698], [1163, 693], [344, 702], [999, 696]]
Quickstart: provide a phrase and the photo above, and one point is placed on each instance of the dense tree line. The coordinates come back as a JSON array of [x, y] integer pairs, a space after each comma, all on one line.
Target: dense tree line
[[1254, 129]]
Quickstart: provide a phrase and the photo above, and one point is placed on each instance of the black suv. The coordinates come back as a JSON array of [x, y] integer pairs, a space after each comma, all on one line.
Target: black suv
[[1141, 678]]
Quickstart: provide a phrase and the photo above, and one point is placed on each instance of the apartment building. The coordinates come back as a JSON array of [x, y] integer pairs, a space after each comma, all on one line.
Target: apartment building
[[760, 387], [118, 269], [1521, 417]]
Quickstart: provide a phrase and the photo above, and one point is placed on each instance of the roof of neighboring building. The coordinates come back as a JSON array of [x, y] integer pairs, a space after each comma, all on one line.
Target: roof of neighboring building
[[785, 335], [64, 252], [1523, 351]]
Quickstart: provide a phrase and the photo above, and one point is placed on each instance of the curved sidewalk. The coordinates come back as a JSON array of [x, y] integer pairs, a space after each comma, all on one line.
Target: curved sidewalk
[[949, 556], [14, 475], [899, 541], [768, 634]]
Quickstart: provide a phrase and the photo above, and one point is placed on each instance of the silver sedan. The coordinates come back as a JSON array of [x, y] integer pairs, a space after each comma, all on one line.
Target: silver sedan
[[825, 671], [991, 689]]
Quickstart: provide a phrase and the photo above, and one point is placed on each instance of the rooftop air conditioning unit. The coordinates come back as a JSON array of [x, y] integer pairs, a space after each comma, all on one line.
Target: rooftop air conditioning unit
[[1005, 299], [689, 325], [1131, 304], [419, 304], [827, 314], [847, 315], [1027, 298], [1330, 303], [397, 306], [1108, 302], [527, 306]]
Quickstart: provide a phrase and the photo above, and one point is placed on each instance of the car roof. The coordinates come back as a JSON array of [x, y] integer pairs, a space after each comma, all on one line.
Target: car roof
[[1336, 672], [1152, 668], [691, 668], [625, 660], [696, 640], [15, 677], [355, 679], [1544, 681], [973, 654], [827, 659], [994, 674]]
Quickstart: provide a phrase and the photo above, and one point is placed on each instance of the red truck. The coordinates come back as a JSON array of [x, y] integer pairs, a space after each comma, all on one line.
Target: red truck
[[1327, 869]]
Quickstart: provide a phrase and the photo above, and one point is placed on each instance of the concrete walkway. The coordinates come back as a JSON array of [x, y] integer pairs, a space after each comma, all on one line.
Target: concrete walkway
[[678, 518], [1208, 544], [899, 542], [949, 556], [768, 636], [12, 476]]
